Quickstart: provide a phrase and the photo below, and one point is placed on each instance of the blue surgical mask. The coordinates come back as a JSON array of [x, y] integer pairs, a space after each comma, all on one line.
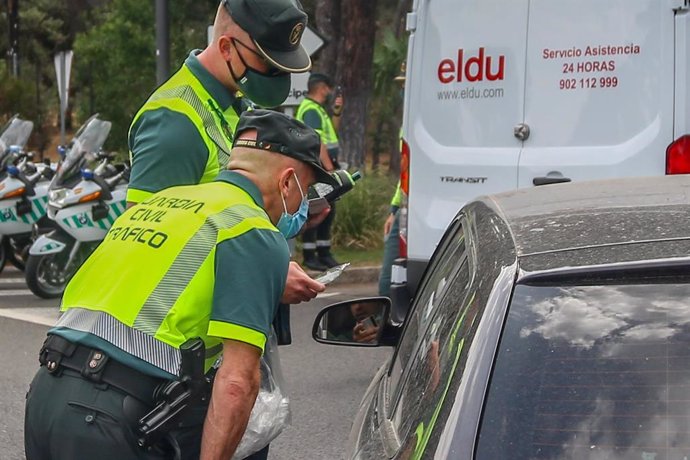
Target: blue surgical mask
[[290, 224]]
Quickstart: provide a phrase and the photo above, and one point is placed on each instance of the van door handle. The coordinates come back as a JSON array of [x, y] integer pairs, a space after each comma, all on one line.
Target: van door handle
[[546, 180], [521, 131]]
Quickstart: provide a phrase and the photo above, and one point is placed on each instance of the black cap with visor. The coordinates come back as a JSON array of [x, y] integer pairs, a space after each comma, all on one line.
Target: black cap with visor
[[279, 133], [276, 28]]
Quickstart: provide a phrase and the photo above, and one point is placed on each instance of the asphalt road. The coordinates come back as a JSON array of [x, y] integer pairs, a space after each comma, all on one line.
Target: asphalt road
[[325, 382]]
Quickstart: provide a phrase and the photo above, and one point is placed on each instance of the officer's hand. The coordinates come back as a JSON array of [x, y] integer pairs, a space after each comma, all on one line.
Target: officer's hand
[[315, 219], [388, 224], [300, 287]]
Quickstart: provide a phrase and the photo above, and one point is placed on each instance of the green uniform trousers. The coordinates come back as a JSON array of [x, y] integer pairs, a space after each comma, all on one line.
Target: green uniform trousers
[[391, 251], [70, 418]]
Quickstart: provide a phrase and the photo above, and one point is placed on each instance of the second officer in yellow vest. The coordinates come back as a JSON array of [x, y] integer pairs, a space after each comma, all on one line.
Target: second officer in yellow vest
[[206, 261], [314, 112]]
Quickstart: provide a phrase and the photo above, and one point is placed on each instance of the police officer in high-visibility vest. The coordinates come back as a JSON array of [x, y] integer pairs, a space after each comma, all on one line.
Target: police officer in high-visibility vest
[[208, 261], [183, 133], [314, 112]]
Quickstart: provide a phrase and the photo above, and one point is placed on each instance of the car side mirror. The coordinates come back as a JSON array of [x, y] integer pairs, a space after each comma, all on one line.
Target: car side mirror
[[357, 322]]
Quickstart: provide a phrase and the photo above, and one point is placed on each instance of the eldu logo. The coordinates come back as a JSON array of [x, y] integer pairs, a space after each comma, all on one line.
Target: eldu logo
[[471, 68]]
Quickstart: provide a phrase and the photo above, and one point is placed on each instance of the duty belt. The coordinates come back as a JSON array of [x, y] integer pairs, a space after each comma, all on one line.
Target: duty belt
[[94, 365]]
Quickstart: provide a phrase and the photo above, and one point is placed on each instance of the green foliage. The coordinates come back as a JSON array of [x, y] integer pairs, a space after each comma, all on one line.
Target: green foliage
[[45, 27], [388, 55], [16, 96], [115, 65], [115, 60], [386, 113], [360, 213]]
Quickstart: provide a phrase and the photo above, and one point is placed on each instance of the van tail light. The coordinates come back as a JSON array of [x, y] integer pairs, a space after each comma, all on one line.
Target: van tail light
[[405, 188], [405, 167], [678, 156]]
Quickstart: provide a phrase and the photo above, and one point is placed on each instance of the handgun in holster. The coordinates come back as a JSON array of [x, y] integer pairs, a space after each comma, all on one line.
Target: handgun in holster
[[174, 398]]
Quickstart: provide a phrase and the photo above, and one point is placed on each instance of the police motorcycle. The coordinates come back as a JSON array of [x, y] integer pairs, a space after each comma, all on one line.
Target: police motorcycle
[[23, 205], [15, 228], [86, 195]]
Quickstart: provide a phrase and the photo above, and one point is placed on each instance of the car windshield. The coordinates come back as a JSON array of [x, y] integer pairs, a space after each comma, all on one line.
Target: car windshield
[[592, 372], [81, 151]]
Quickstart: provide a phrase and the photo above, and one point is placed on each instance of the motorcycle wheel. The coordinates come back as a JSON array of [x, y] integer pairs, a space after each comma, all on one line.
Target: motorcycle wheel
[[45, 275]]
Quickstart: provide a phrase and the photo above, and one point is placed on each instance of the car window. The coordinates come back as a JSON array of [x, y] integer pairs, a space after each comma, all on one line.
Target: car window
[[445, 261], [433, 364], [591, 372]]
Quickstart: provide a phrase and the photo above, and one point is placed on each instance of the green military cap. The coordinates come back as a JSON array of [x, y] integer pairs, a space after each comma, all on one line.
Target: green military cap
[[275, 27], [279, 133]]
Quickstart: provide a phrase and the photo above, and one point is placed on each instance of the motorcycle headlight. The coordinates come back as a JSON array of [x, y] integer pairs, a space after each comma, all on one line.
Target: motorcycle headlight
[[57, 197]]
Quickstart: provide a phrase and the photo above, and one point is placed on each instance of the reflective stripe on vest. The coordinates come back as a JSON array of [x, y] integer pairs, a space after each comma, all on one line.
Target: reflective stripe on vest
[[184, 93], [151, 316], [130, 340], [327, 131]]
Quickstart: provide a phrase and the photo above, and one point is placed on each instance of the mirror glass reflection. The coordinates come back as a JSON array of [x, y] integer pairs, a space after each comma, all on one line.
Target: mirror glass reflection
[[357, 321]]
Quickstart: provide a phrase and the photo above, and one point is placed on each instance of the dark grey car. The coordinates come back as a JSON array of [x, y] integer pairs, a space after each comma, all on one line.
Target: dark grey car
[[551, 323]]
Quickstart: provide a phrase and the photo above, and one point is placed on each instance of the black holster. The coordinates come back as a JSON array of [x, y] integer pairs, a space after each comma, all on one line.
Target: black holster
[[281, 324]]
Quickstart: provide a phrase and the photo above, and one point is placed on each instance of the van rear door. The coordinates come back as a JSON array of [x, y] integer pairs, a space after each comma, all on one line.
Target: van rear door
[[599, 91], [466, 74]]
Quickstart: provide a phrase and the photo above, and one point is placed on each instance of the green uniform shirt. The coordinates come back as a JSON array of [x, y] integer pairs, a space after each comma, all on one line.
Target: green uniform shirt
[[196, 261], [169, 142]]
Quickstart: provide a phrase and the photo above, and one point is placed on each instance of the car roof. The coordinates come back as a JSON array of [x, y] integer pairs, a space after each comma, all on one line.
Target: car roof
[[597, 222]]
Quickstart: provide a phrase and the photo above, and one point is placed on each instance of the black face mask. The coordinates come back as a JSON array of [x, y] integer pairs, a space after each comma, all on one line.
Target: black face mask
[[330, 99], [266, 89]]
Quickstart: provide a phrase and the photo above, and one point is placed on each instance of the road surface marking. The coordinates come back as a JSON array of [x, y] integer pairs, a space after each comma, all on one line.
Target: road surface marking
[[28, 317], [327, 294], [12, 280], [13, 292]]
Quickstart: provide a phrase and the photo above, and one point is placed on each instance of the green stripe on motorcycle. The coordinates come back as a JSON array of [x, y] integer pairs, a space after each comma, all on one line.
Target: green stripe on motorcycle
[[39, 206]]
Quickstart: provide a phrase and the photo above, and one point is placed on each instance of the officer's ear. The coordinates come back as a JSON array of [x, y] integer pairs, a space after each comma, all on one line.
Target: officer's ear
[[285, 179], [226, 47]]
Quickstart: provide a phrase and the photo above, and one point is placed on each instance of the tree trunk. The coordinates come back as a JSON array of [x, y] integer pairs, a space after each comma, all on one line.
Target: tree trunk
[[401, 10], [327, 15], [377, 146], [355, 76], [394, 165]]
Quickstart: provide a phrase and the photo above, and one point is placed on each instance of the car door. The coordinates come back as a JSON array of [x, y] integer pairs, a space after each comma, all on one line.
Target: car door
[[431, 348]]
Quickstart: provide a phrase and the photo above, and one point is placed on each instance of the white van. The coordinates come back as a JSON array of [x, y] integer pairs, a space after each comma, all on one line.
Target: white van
[[503, 94]]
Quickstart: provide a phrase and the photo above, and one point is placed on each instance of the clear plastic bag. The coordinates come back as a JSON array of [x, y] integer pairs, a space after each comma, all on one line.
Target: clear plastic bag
[[271, 412]]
